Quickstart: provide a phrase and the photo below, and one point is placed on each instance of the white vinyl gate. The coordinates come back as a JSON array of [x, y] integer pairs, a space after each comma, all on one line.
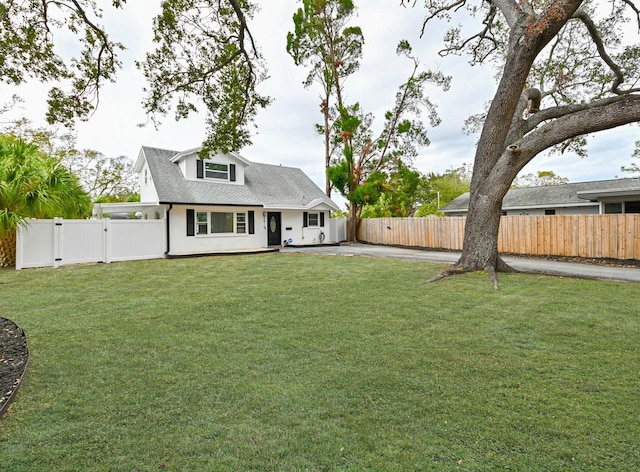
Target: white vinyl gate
[[52, 243]]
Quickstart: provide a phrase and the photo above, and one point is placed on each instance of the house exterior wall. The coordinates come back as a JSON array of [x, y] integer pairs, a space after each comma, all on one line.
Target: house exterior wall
[[147, 189], [296, 234], [181, 244], [583, 210], [292, 230], [593, 209]]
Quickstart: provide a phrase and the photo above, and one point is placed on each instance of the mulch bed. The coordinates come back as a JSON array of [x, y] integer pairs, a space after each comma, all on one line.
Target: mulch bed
[[14, 356]]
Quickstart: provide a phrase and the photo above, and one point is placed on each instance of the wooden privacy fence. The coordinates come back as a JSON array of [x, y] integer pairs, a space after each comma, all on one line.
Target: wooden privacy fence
[[598, 236]]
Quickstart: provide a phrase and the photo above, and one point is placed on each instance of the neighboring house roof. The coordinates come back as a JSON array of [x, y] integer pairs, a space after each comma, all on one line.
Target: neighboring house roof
[[564, 195], [265, 185]]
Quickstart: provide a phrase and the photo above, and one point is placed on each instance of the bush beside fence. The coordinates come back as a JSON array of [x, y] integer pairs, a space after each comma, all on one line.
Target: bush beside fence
[[597, 236]]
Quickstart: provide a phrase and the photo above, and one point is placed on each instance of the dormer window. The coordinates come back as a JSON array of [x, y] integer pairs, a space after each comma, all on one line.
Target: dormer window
[[216, 171]]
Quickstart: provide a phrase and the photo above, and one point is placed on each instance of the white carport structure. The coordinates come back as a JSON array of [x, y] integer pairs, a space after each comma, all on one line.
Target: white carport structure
[[141, 210]]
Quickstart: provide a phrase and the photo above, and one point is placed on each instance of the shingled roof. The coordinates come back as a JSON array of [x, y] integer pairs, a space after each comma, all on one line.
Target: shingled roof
[[572, 194], [265, 185]]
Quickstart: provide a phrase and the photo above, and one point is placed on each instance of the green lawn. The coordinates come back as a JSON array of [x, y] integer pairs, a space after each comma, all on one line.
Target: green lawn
[[285, 362]]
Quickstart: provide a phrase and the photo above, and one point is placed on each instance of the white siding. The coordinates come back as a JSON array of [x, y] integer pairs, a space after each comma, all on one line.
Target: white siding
[[292, 231], [299, 235], [181, 244], [188, 166], [147, 189]]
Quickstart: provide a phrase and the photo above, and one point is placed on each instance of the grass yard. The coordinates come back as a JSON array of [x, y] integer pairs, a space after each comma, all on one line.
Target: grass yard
[[285, 362]]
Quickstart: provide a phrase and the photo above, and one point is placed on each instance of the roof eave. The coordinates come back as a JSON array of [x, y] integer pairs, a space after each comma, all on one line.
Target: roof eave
[[614, 192]]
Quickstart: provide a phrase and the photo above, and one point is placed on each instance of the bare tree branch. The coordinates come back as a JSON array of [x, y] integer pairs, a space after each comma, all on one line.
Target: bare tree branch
[[632, 5], [597, 40]]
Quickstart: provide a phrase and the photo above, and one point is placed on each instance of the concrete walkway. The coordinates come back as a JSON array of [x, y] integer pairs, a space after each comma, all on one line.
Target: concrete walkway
[[523, 264]]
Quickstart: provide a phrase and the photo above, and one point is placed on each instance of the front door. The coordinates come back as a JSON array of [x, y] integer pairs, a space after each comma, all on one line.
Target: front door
[[273, 229]]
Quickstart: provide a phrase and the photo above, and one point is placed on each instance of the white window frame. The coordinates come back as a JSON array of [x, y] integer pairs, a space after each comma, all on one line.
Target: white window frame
[[311, 216], [241, 223], [216, 174], [204, 223]]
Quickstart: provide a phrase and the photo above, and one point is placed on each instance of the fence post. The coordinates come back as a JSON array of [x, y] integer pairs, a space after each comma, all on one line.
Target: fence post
[[19, 247], [58, 240], [106, 240]]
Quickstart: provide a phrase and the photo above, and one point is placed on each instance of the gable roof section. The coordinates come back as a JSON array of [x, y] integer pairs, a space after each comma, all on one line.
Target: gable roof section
[[572, 194], [265, 185], [178, 156]]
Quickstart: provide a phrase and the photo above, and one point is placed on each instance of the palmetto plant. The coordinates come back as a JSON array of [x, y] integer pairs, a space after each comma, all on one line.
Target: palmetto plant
[[33, 185]]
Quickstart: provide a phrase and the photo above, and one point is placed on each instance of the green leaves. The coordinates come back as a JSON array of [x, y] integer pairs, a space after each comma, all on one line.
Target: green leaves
[[205, 54], [34, 185], [27, 50]]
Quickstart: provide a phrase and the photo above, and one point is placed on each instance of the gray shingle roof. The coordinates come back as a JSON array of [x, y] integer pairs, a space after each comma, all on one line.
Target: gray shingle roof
[[264, 185], [571, 194]]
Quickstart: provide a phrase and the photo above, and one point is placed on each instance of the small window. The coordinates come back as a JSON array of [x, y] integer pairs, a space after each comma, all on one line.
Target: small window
[[201, 223], [549, 212], [612, 208], [632, 207], [213, 170], [221, 222], [313, 219], [241, 223]]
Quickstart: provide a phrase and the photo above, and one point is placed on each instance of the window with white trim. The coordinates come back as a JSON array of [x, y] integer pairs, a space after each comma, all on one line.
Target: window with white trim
[[241, 223], [220, 222], [313, 219], [213, 170], [202, 223]]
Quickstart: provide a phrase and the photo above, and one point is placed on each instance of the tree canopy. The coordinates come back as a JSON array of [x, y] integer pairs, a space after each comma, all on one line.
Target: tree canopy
[[541, 178], [27, 50], [443, 188], [204, 55], [103, 178]]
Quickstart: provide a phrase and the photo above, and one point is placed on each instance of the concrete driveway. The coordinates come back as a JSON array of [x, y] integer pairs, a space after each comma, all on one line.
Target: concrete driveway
[[525, 265]]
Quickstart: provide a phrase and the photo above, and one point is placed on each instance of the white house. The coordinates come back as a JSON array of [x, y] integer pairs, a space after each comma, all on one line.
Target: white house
[[226, 203], [595, 197]]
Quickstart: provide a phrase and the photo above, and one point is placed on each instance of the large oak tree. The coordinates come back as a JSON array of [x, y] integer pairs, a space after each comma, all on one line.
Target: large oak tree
[[565, 72]]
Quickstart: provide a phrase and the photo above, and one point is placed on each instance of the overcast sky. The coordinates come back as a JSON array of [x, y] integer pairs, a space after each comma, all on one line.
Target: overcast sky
[[285, 133]]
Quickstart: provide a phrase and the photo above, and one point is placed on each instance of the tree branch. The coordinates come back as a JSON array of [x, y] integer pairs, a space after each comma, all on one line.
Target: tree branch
[[632, 5], [585, 119], [597, 40]]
